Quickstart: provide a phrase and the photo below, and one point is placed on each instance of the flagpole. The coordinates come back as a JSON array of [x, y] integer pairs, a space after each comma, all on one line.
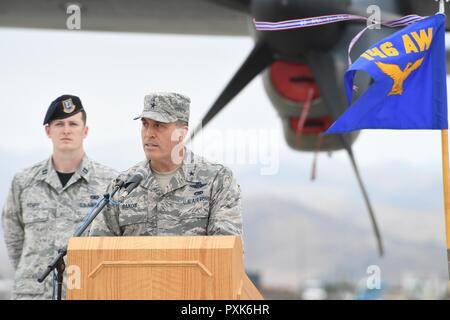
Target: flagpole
[[446, 175]]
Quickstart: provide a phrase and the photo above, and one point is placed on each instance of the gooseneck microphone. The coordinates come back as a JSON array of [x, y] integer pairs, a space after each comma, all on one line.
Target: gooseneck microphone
[[133, 181]]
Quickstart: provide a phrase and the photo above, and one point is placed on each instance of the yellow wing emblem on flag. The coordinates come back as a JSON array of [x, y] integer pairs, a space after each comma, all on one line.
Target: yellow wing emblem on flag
[[397, 74]]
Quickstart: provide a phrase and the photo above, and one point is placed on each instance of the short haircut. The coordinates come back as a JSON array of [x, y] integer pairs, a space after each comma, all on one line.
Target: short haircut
[[83, 116], [181, 123]]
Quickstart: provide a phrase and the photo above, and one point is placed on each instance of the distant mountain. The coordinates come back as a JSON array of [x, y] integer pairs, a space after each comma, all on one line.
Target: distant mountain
[[290, 244]]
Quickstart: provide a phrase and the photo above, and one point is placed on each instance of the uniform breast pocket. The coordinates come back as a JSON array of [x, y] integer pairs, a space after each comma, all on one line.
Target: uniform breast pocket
[[129, 216], [133, 223], [76, 215], [35, 216], [193, 218], [195, 208]]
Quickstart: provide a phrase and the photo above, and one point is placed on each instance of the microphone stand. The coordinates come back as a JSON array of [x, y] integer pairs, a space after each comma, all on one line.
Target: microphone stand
[[58, 262]]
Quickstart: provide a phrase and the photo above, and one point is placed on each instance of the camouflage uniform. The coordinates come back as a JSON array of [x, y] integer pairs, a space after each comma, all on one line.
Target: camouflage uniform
[[202, 198], [40, 216]]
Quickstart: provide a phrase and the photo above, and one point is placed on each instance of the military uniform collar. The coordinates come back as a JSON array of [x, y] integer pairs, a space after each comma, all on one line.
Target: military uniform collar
[[84, 171], [150, 181], [49, 175], [189, 165], [183, 174]]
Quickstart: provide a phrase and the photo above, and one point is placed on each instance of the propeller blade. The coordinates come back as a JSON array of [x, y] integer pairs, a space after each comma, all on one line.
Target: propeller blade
[[259, 58], [366, 198], [324, 70]]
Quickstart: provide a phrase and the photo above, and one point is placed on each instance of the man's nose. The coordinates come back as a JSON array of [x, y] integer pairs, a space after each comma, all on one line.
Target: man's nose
[[149, 132], [66, 129]]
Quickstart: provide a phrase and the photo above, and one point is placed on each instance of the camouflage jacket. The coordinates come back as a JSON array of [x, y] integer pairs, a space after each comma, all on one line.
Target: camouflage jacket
[[202, 198], [40, 216]]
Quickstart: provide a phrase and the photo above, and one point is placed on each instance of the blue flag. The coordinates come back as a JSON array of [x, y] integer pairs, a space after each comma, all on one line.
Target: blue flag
[[409, 89]]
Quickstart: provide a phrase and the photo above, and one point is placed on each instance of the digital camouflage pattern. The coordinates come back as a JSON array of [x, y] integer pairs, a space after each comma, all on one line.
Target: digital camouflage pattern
[[166, 107], [40, 216], [202, 198]]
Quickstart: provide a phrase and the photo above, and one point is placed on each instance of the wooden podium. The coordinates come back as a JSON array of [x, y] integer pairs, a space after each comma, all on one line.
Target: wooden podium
[[161, 268]]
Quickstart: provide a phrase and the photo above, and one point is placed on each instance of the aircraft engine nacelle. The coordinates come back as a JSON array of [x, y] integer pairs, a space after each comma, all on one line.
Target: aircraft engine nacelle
[[289, 86]]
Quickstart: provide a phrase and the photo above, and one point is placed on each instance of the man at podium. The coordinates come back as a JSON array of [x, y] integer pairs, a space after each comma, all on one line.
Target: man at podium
[[179, 193]]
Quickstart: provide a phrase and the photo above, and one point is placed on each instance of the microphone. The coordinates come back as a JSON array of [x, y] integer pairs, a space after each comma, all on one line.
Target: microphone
[[119, 182], [133, 181]]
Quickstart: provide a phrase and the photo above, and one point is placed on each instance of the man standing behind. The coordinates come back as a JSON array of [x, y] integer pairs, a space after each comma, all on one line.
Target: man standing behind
[[47, 201], [181, 193]]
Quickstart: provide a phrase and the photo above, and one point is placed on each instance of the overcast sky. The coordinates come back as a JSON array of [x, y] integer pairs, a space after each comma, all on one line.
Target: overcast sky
[[112, 72]]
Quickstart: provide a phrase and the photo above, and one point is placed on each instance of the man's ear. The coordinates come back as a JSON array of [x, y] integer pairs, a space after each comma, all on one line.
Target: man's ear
[[86, 131], [47, 130], [179, 134]]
